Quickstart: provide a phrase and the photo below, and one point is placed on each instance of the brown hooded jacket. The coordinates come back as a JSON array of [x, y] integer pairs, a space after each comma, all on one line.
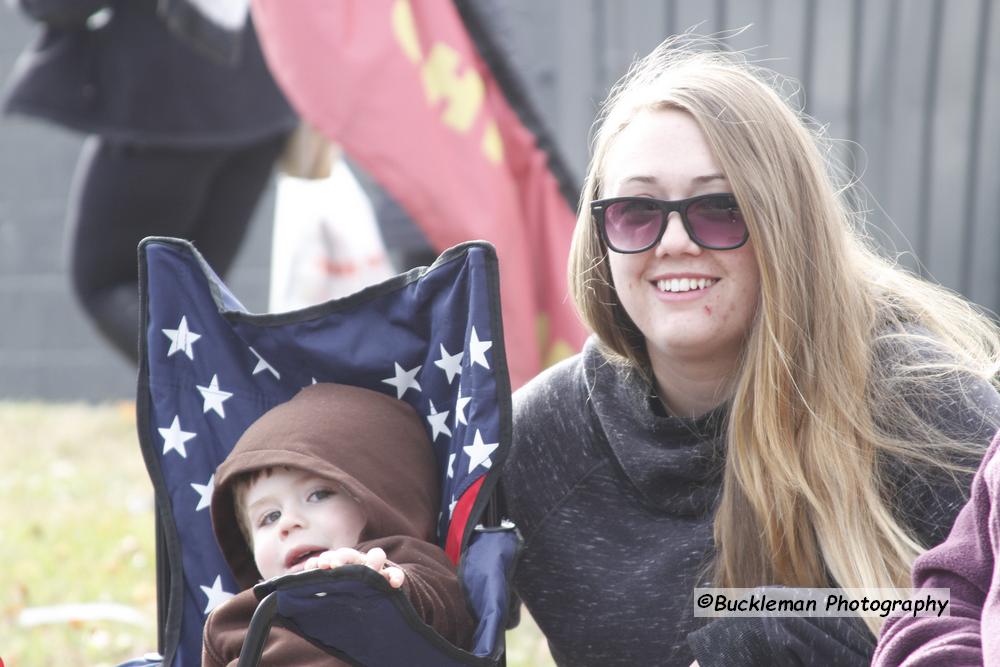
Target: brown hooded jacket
[[374, 447]]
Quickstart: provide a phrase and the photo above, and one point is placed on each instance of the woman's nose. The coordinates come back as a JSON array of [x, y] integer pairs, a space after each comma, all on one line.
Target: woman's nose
[[675, 239]]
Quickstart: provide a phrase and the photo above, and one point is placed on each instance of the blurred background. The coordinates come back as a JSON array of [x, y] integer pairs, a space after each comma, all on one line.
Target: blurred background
[[908, 89]]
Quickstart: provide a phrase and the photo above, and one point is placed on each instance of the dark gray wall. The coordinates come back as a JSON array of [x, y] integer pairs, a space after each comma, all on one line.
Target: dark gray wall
[[909, 89]]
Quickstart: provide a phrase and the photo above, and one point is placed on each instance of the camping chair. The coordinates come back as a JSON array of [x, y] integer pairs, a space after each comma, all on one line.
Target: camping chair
[[432, 337]]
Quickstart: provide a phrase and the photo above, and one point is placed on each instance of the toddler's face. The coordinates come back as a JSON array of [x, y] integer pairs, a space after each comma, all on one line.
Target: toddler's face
[[294, 514]]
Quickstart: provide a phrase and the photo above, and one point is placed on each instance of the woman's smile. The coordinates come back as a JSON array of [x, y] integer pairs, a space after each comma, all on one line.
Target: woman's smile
[[683, 286]]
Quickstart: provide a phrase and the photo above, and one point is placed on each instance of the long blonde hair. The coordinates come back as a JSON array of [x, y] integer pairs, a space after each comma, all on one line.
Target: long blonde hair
[[843, 358]]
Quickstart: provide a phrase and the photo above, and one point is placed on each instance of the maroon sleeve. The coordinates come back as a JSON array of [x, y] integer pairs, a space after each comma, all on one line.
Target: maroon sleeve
[[963, 563]]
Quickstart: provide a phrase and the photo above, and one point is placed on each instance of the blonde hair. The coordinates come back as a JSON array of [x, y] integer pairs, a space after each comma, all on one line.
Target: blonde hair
[[844, 356]]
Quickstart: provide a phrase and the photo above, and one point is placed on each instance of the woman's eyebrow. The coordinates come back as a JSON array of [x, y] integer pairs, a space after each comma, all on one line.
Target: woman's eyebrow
[[708, 178], [652, 180]]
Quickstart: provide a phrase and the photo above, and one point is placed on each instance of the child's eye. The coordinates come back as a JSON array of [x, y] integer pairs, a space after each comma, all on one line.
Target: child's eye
[[269, 518], [320, 494]]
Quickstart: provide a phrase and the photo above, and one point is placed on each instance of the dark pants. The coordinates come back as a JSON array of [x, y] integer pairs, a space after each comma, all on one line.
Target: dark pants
[[123, 193]]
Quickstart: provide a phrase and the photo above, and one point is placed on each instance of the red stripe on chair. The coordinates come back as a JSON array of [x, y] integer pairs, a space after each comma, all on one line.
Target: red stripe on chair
[[460, 517]]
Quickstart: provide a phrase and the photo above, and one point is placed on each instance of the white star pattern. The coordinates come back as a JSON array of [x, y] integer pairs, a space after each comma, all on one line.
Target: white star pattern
[[437, 422], [451, 364], [404, 380], [205, 492], [460, 408], [379, 334], [263, 366], [214, 397], [477, 350], [174, 437], [181, 339], [479, 452], [216, 595]]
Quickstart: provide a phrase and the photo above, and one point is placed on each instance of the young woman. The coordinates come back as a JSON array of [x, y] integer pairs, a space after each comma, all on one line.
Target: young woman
[[764, 401]]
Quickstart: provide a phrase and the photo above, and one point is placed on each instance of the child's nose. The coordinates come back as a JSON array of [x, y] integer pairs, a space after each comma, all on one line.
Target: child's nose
[[291, 520]]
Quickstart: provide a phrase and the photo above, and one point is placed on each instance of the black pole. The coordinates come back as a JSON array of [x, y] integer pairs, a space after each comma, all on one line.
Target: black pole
[[855, 54], [927, 136], [809, 54], [975, 133], [720, 15]]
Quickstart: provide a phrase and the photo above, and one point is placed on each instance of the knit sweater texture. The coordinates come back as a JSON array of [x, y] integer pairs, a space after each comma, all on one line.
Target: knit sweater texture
[[615, 501]]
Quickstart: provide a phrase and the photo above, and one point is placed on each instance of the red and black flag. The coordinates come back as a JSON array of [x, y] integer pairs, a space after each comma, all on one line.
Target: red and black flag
[[422, 99]]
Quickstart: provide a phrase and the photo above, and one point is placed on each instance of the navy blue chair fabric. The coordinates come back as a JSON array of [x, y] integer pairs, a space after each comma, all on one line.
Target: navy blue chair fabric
[[432, 337]]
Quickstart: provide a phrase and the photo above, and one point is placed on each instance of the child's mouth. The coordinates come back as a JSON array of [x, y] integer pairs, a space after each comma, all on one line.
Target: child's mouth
[[297, 558]]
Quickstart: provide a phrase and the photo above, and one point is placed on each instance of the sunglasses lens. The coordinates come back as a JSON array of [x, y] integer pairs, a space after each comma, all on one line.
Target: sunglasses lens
[[632, 225], [717, 222]]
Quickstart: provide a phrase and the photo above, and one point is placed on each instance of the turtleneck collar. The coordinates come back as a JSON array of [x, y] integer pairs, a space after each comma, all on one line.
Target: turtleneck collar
[[674, 463]]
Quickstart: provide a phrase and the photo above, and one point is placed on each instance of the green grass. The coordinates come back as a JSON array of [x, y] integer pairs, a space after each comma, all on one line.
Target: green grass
[[76, 526]]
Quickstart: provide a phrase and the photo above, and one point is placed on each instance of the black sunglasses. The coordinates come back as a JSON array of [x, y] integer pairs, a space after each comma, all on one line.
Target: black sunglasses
[[636, 224]]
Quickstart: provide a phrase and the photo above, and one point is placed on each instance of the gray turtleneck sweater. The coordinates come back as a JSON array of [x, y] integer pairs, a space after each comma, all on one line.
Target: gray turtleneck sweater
[[615, 501]]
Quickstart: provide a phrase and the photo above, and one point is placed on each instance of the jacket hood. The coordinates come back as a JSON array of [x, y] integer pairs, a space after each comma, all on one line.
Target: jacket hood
[[372, 445]]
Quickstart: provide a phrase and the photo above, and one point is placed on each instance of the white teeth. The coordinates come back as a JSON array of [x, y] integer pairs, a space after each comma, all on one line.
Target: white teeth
[[684, 284]]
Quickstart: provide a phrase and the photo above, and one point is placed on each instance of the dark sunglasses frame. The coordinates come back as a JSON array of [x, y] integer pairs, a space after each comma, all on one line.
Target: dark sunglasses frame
[[598, 207]]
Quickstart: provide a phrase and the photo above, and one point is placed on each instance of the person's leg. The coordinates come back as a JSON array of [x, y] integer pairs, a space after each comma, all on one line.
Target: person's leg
[[234, 192], [125, 193], [120, 195]]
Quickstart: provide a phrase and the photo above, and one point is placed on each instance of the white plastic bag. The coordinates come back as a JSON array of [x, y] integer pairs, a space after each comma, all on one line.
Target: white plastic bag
[[326, 240]]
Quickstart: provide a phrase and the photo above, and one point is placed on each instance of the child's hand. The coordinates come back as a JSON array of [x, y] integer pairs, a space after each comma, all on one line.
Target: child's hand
[[375, 559]]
